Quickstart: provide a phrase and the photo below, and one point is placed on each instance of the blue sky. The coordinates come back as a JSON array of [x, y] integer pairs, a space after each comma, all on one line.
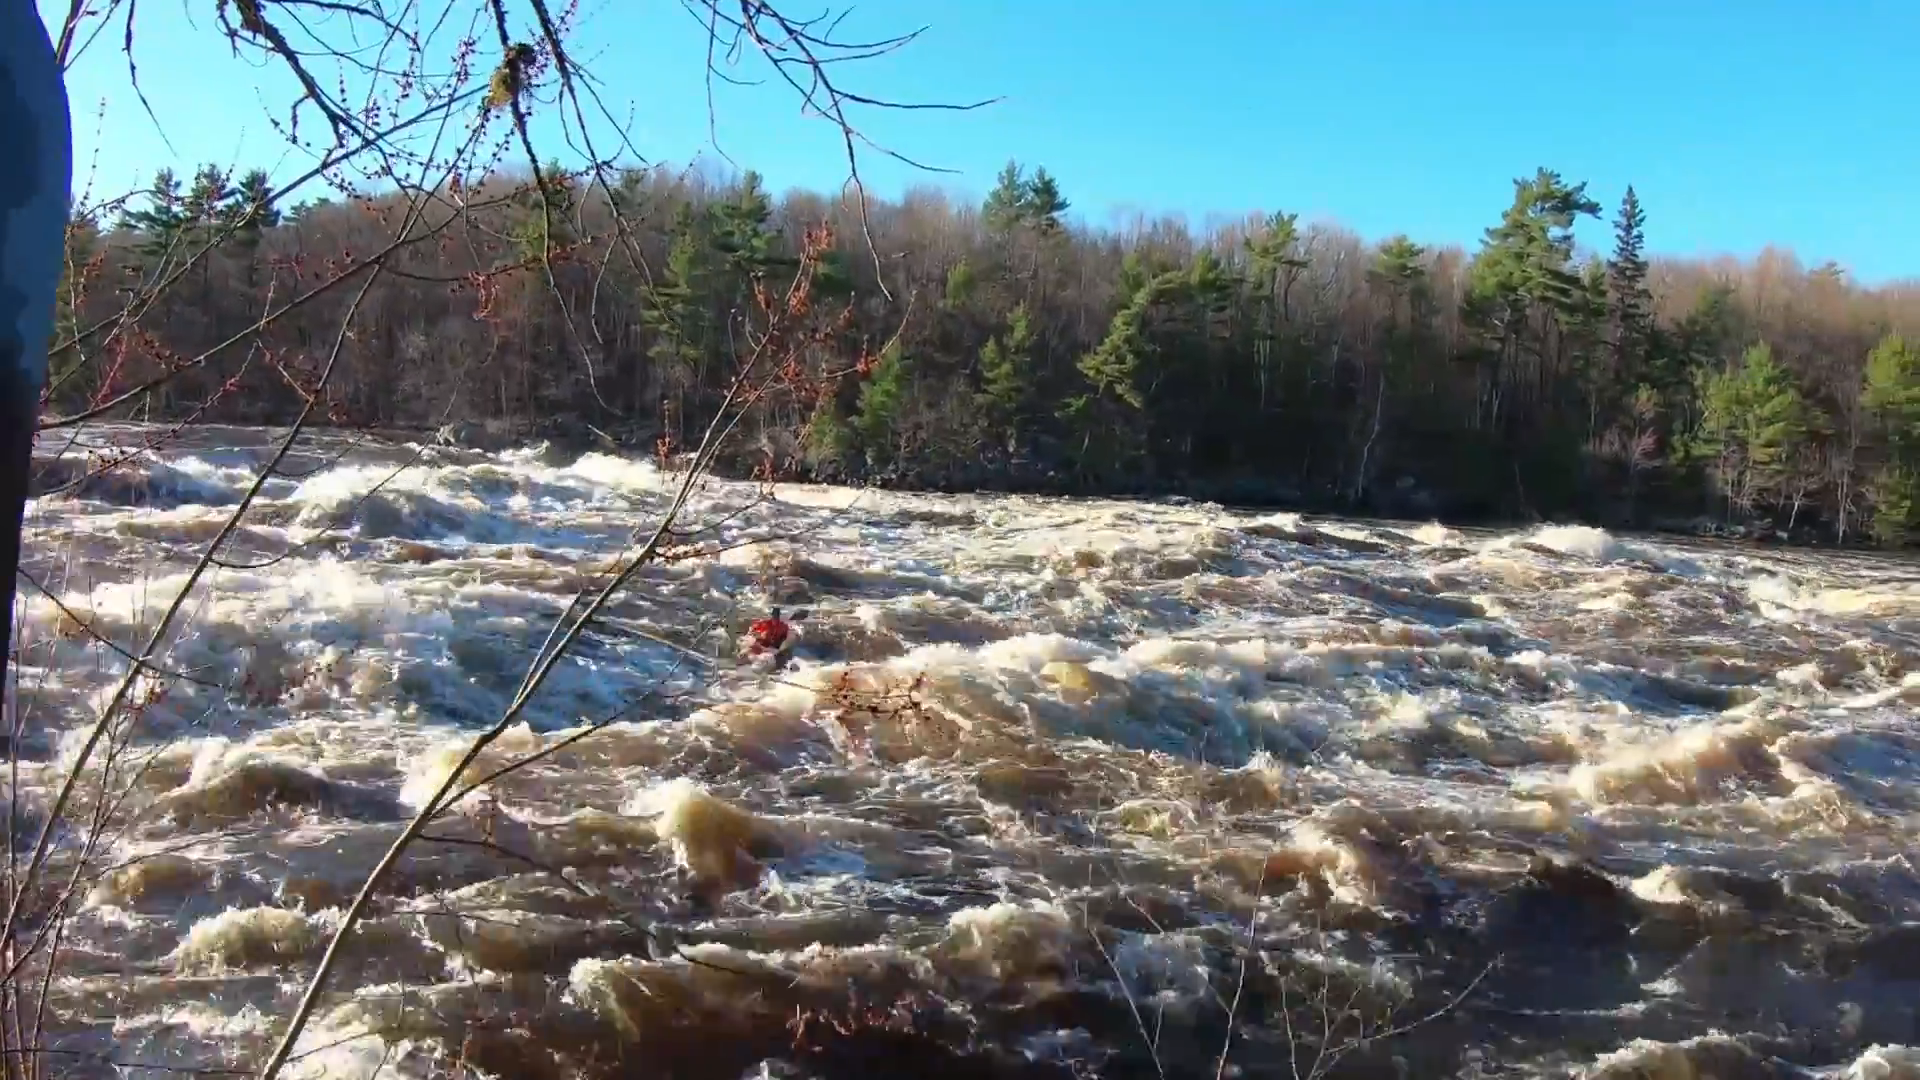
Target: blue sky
[[1742, 123]]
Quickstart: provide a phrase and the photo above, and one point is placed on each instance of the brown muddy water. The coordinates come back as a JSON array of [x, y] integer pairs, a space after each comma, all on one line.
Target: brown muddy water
[[1055, 788]]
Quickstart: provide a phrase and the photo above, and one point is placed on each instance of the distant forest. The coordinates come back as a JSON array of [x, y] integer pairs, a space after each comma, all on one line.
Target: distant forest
[[1266, 362]]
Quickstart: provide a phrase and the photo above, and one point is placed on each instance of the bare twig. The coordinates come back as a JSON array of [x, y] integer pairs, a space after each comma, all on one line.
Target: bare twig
[[433, 213], [112, 711], [537, 673], [86, 627], [1139, 1021], [1240, 984]]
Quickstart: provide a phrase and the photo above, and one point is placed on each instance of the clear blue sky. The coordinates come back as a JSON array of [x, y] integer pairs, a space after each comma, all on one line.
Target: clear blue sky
[[1742, 123]]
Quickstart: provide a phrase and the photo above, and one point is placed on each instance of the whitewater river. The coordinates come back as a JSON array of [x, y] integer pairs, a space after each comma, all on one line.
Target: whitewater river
[[1055, 788]]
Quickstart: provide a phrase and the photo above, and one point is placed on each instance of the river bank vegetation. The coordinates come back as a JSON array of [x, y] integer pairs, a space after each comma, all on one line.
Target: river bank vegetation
[[1270, 361]]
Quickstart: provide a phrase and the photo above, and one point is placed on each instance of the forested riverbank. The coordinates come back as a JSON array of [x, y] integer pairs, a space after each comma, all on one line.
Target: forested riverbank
[[1001, 346]]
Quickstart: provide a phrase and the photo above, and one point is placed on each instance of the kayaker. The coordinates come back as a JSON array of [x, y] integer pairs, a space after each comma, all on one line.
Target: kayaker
[[768, 635]]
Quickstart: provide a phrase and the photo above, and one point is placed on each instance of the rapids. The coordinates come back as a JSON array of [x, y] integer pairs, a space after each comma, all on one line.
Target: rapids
[[1054, 788]]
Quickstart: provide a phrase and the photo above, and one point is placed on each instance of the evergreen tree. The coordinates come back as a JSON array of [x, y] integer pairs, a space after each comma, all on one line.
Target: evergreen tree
[[962, 285], [1041, 204], [1300, 361], [742, 232], [832, 275], [1005, 205], [1399, 271], [1399, 268], [543, 214], [1274, 256], [207, 198], [881, 398], [1112, 369], [1005, 381], [249, 214], [1522, 286], [250, 206], [1135, 273], [1891, 397], [1755, 423], [677, 313], [1527, 258], [1018, 200], [1629, 303], [303, 211], [1274, 263], [1707, 339], [162, 223], [830, 440]]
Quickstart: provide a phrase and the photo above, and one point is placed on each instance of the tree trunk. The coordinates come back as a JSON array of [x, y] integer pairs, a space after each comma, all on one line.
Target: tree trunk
[[36, 128], [1359, 487]]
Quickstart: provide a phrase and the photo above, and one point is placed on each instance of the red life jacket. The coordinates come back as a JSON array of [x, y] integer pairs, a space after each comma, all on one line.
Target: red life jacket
[[768, 633]]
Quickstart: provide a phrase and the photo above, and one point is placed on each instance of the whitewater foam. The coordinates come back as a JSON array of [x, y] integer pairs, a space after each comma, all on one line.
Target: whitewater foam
[[1038, 774]]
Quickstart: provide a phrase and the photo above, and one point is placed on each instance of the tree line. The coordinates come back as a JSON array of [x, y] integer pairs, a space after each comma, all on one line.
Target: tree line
[[1003, 346]]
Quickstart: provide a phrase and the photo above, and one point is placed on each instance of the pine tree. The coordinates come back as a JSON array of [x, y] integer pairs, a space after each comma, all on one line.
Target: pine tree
[[1584, 337], [1274, 263], [1274, 255], [1041, 204], [1707, 339], [1527, 257], [1523, 278], [1018, 200], [1399, 267], [677, 315], [832, 276], [1005, 380], [1891, 397], [1755, 422], [248, 213], [962, 284], [207, 197], [742, 231], [250, 207], [304, 210], [1399, 271], [881, 398], [1112, 369], [829, 438], [163, 222], [1005, 205], [1629, 302], [543, 214]]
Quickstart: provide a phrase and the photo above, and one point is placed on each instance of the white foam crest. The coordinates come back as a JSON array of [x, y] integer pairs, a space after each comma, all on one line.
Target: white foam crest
[[194, 480], [1597, 545], [1434, 534], [619, 473], [1244, 712], [1782, 596], [337, 486]]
